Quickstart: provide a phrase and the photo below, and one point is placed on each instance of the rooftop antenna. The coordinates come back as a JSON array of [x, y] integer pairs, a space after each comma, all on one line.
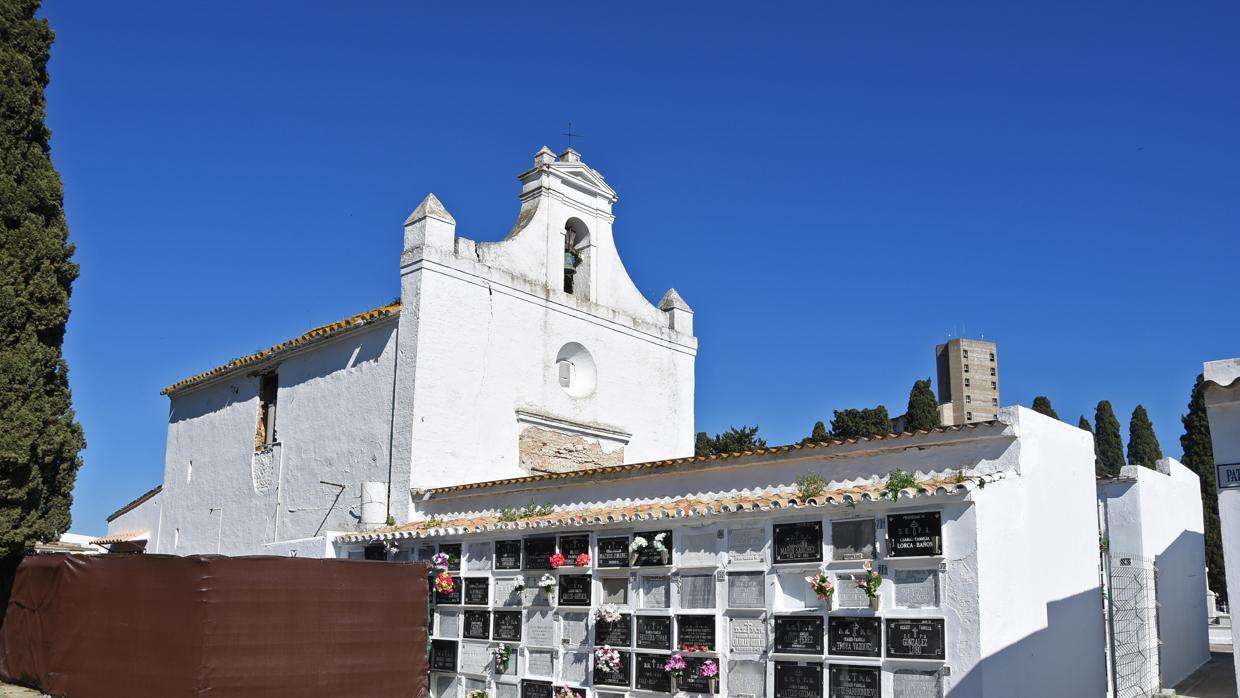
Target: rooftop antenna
[[569, 133]]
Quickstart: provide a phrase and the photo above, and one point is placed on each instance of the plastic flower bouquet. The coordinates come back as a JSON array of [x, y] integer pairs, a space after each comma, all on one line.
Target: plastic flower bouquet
[[564, 692], [440, 561], [583, 560], [871, 582], [607, 659], [547, 582], [607, 613], [444, 583], [557, 561], [822, 586], [476, 694]]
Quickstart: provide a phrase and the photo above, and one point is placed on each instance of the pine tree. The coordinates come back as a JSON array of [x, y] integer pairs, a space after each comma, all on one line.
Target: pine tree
[[1108, 442], [1042, 404], [1143, 448], [39, 441], [818, 434], [1084, 424], [1199, 457], [923, 408], [733, 440], [856, 424]]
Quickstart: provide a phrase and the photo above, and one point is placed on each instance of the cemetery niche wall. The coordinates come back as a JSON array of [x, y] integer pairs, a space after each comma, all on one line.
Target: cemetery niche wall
[[713, 560], [731, 595]]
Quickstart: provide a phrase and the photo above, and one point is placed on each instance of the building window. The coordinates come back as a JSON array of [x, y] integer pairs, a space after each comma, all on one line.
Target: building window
[[994, 385], [994, 402], [966, 382], [268, 390], [968, 399], [992, 357], [564, 368], [189, 472], [966, 353], [966, 368], [968, 416], [992, 370]]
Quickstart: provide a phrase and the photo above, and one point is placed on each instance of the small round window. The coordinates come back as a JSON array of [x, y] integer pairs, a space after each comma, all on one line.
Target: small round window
[[574, 370]]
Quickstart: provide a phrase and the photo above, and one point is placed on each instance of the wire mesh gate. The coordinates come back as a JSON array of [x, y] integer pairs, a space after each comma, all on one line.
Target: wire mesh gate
[[1133, 611]]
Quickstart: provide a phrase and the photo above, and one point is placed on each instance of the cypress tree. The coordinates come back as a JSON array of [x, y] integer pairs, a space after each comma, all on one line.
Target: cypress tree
[[701, 445], [1108, 442], [1042, 404], [818, 434], [1143, 448], [1084, 424], [40, 441], [923, 407], [1199, 457]]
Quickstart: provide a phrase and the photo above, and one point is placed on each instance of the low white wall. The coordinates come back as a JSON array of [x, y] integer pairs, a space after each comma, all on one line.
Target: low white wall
[[318, 547], [144, 516], [1157, 515]]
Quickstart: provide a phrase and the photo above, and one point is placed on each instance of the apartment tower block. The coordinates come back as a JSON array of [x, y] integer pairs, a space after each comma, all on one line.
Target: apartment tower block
[[968, 380]]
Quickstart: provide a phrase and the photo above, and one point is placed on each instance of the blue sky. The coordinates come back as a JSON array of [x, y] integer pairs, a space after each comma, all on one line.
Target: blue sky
[[834, 187]]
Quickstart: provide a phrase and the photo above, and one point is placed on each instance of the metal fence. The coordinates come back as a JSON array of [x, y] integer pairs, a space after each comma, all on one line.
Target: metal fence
[[1133, 611]]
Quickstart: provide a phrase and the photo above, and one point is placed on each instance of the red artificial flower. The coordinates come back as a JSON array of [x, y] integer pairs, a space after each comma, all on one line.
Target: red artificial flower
[[557, 560], [583, 560]]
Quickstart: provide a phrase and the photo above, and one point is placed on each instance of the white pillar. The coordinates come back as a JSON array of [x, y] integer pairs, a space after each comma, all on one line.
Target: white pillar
[[1223, 406]]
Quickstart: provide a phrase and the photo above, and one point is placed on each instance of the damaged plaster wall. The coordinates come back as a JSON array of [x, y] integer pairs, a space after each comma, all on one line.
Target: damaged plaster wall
[[546, 451]]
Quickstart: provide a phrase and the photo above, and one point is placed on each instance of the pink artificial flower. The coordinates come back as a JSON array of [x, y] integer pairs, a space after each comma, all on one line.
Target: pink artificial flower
[[674, 663], [866, 564], [709, 668]]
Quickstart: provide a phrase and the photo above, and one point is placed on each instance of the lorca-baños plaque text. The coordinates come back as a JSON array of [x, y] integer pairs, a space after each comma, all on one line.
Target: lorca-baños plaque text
[[915, 638], [798, 542], [914, 535]]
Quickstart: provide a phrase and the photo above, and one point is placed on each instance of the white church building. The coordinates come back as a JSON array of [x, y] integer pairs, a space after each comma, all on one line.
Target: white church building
[[534, 354]]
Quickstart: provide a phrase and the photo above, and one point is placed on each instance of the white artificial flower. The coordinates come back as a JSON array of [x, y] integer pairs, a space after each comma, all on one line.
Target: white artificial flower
[[637, 544]]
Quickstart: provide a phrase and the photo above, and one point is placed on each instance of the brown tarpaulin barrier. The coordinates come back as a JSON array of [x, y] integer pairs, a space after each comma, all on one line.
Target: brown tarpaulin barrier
[[120, 626]]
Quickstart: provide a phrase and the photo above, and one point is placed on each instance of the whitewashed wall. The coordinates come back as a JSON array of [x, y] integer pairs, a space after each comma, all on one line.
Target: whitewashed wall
[[1040, 600], [1223, 406], [146, 516], [333, 423], [1156, 515], [482, 325]]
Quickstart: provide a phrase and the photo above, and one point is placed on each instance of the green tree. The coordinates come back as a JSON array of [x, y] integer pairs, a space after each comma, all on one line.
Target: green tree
[[701, 446], [1084, 424], [731, 441], [856, 424], [818, 435], [1143, 448], [1199, 457], [923, 408], [1108, 442], [1042, 404], [40, 441]]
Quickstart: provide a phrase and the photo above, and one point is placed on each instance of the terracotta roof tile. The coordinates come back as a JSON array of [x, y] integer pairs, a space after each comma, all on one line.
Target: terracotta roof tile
[[122, 537], [706, 505], [317, 333], [651, 465]]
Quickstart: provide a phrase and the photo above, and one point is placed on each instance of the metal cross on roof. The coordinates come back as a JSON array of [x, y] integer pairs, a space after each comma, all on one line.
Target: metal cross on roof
[[571, 135]]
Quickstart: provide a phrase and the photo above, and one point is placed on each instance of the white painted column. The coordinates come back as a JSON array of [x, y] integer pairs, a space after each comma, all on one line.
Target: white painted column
[[1223, 407]]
